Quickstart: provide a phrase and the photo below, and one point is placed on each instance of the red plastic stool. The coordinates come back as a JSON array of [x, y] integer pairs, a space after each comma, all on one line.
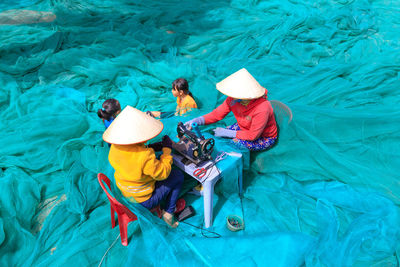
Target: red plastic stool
[[157, 210], [124, 214]]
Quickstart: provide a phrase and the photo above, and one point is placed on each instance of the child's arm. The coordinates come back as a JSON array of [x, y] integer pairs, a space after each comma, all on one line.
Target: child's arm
[[177, 109], [156, 114]]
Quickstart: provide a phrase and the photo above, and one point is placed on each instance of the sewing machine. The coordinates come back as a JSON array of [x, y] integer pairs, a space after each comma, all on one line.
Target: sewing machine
[[228, 169], [192, 145]]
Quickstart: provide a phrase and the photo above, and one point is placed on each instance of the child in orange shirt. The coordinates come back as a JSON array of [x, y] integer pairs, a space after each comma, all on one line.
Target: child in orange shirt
[[184, 100]]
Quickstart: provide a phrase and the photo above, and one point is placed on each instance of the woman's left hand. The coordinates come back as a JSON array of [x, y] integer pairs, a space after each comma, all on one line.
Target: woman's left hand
[[222, 132], [166, 141], [156, 146]]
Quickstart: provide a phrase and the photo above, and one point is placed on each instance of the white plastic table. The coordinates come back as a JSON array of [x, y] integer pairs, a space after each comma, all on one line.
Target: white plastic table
[[208, 181]]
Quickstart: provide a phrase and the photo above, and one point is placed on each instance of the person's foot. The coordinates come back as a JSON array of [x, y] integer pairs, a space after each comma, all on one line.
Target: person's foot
[[169, 219]]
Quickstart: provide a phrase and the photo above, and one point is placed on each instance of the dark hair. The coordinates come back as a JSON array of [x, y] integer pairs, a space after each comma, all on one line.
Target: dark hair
[[109, 109], [182, 85]]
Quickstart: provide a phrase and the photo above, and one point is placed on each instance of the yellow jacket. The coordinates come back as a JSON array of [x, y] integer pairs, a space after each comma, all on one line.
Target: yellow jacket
[[184, 104], [137, 169]]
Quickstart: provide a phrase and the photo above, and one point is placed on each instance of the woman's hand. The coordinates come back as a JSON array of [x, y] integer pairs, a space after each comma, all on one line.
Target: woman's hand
[[198, 120], [222, 132], [166, 142], [156, 146]]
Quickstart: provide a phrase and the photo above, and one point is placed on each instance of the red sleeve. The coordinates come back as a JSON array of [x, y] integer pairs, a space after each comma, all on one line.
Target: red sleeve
[[258, 124], [219, 113]]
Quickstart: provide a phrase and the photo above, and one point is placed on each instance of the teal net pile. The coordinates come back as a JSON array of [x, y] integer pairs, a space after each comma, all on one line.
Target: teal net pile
[[327, 194]]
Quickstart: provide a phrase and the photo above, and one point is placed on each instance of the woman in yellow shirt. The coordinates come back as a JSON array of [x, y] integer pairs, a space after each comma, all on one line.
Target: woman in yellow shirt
[[140, 176]]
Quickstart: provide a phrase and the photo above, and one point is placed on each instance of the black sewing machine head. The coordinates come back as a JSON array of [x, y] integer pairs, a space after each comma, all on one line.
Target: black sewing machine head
[[193, 146]]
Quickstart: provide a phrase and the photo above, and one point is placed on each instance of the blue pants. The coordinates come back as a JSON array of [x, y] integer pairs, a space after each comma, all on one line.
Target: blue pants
[[168, 189], [259, 144]]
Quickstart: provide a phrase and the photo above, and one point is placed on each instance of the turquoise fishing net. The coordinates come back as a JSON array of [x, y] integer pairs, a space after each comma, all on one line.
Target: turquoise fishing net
[[327, 194]]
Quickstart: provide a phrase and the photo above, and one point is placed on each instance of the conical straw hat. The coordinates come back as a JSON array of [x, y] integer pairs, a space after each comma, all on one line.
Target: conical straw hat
[[241, 85], [132, 126]]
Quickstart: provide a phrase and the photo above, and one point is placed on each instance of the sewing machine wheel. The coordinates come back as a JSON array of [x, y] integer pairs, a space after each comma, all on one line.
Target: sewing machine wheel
[[208, 146]]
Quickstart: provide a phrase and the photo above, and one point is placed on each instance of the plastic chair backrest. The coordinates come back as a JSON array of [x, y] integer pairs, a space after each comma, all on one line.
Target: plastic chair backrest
[[283, 114], [114, 203]]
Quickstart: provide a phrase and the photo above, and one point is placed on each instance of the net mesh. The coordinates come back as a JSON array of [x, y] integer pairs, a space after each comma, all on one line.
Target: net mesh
[[327, 194]]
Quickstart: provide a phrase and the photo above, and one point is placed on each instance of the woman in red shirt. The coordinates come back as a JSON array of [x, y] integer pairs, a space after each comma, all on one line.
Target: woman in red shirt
[[255, 128]]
